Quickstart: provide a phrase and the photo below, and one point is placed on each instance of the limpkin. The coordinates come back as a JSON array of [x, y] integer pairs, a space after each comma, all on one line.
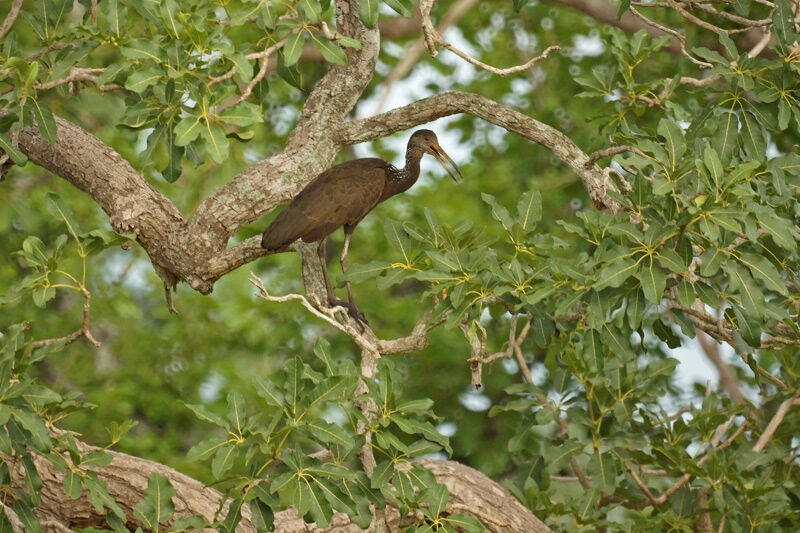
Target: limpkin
[[342, 196]]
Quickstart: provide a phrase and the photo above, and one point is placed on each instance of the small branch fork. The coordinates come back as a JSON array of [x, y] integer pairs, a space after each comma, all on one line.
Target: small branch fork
[[83, 331], [513, 348], [366, 338], [433, 39]]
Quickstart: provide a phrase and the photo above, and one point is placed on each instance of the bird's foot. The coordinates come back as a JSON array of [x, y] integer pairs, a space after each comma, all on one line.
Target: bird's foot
[[352, 310]]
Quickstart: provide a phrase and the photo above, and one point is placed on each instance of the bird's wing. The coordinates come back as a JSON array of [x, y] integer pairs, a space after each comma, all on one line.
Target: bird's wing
[[341, 195]]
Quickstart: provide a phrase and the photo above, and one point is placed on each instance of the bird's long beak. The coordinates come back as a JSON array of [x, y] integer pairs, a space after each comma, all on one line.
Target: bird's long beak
[[436, 151]]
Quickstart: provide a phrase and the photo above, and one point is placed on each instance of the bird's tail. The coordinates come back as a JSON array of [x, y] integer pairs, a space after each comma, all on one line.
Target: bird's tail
[[272, 242]]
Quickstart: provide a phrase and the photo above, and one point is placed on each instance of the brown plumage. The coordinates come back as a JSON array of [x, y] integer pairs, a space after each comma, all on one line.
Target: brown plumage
[[342, 196]]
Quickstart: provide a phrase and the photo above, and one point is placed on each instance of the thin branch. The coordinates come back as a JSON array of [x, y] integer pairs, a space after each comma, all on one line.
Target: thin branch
[[727, 379], [776, 420], [327, 314], [83, 331], [433, 39], [262, 71], [453, 15], [681, 39], [13, 13], [613, 150], [16, 524]]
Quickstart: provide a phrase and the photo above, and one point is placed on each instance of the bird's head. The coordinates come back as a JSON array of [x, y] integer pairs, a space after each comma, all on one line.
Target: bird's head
[[426, 142]]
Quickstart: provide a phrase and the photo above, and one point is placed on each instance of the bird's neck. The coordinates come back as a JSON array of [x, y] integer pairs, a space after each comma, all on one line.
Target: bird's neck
[[401, 179]]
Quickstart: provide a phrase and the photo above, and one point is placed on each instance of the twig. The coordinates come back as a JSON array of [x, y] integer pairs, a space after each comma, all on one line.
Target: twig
[[434, 39], [83, 331], [681, 39], [453, 15], [639, 482], [16, 524], [13, 13], [262, 71], [613, 150], [727, 379], [328, 315], [777, 418], [582, 478]]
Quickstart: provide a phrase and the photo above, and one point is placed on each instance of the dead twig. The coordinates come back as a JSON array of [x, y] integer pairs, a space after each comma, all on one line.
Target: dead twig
[[434, 39], [83, 331], [13, 13]]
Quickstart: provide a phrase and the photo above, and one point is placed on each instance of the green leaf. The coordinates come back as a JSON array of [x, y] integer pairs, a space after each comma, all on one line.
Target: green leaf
[[403, 7], [16, 156], [293, 48], [529, 210], [726, 137], [242, 114], [781, 230], [224, 458], [216, 142], [753, 136], [761, 268], [330, 51], [33, 424], [603, 471], [330, 433], [141, 80], [669, 259], [728, 44], [783, 23], [499, 212], [236, 414], [437, 497], [714, 165], [712, 259], [368, 12], [465, 522], [156, 506], [686, 294], [312, 10], [72, 484], [615, 273], [358, 273], [44, 120], [675, 143], [267, 390], [96, 458], [206, 448], [187, 130], [204, 414], [142, 49], [113, 18]]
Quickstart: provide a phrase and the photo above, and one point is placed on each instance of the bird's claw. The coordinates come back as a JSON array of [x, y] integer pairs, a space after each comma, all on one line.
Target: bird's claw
[[353, 311]]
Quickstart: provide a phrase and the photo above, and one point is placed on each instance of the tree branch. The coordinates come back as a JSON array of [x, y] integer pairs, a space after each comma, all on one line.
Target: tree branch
[[126, 479], [451, 103]]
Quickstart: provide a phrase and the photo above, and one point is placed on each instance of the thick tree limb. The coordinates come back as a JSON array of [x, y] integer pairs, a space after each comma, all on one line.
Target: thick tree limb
[[126, 479]]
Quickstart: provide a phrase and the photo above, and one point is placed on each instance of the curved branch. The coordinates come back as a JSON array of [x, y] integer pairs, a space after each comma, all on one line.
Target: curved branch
[[451, 103], [13, 13]]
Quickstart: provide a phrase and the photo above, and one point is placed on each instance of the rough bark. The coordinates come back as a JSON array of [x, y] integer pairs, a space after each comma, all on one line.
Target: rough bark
[[126, 479]]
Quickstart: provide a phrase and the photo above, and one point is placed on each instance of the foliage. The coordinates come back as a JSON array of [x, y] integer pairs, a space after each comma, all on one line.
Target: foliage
[[604, 435]]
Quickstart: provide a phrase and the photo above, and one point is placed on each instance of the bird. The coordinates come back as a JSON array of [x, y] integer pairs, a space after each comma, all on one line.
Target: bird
[[341, 197]]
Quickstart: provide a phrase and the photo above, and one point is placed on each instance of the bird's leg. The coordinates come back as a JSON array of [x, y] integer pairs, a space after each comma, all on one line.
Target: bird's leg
[[354, 312], [333, 301], [323, 262]]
